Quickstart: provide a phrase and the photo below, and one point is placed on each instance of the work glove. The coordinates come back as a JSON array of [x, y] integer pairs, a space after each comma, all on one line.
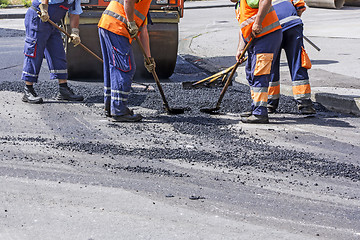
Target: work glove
[[133, 29], [75, 37], [44, 12], [151, 66]]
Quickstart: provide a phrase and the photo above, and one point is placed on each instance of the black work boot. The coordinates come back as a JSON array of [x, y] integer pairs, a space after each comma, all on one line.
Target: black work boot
[[305, 107], [30, 96], [307, 110], [107, 109], [65, 93], [271, 109], [255, 119], [128, 117]]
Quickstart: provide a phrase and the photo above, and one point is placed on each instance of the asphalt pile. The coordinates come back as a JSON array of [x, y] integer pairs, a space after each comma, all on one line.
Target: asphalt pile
[[217, 143]]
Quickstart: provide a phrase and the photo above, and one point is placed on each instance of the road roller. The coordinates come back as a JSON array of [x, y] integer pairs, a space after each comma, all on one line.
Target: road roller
[[163, 33]]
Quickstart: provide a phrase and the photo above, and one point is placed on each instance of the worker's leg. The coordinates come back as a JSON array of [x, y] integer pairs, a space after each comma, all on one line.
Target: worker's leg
[[299, 75], [35, 42], [121, 71], [262, 52], [274, 85], [56, 59], [106, 69]]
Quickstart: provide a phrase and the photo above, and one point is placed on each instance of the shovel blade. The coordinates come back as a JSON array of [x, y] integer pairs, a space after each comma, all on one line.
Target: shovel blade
[[174, 111], [212, 111]]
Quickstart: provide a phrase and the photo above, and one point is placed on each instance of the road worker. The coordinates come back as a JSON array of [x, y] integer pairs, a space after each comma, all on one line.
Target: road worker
[[44, 39], [289, 13], [258, 21], [119, 24]]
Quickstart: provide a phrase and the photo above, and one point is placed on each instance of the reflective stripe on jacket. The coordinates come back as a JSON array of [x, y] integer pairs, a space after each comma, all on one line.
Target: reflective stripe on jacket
[[286, 12], [114, 19], [247, 18]]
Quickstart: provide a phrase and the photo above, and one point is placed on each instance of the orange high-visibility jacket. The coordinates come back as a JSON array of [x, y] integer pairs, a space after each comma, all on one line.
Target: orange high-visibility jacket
[[114, 19], [246, 17]]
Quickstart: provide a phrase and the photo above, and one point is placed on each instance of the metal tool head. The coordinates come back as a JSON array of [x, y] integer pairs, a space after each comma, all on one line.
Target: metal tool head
[[174, 111], [212, 111]]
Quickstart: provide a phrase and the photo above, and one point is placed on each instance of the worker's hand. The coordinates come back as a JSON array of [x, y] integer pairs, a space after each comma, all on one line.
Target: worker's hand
[[44, 12], [75, 36], [240, 50], [133, 29], [238, 54], [300, 11], [256, 29], [151, 66]]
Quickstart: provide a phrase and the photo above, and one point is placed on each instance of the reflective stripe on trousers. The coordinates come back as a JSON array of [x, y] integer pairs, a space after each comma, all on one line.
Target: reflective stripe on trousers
[[291, 43], [268, 45], [42, 39], [119, 69]]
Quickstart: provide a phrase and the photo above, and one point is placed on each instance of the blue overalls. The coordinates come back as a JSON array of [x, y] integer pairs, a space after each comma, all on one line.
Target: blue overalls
[[119, 69], [42, 38], [292, 43]]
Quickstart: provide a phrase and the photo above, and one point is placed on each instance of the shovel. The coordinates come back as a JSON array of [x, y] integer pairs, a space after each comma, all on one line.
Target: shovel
[[165, 103], [228, 81]]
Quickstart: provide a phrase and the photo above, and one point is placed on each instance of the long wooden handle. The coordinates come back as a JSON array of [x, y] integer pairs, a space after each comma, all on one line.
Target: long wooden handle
[[232, 74], [311, 43], [68, 35], [166, 104]]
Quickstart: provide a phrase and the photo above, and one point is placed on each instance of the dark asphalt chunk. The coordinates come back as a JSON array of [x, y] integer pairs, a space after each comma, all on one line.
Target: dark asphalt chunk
[[114, 168]]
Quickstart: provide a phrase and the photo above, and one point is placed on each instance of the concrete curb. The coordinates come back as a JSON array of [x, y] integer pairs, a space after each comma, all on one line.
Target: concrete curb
[[13, 12], [338, 103]]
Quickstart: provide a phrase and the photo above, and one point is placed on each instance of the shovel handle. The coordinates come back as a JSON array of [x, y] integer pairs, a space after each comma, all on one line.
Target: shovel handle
[[69, 36], [311, 43], [228, 81], [166, 104]]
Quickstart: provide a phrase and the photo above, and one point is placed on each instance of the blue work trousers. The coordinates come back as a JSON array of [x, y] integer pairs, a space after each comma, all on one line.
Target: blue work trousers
[[43, 39], [268, 45], [119, 70], [292, 44]]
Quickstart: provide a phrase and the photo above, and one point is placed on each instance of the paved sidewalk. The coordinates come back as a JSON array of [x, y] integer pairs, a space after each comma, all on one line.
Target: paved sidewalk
[[335, 73]]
